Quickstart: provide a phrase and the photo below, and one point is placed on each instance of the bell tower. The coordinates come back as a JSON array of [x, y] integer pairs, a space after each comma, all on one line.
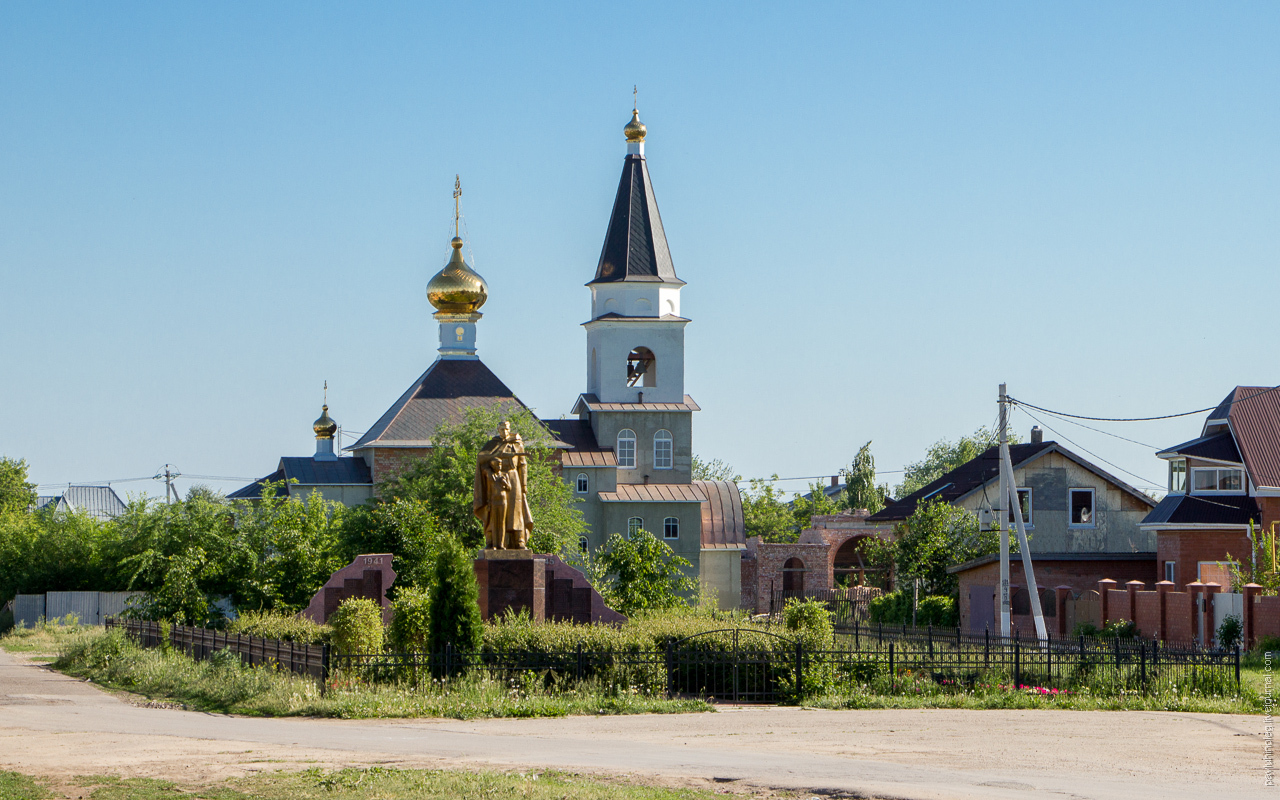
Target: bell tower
[[635, 339]]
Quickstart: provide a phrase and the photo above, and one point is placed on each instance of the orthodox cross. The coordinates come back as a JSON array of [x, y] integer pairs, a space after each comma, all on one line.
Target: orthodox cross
[[457, 202]]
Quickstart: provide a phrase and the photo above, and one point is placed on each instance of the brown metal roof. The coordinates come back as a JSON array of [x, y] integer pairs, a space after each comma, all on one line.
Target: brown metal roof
[[583, 450], [1255, 421], [722, 522], [653, 493], [592, 403]]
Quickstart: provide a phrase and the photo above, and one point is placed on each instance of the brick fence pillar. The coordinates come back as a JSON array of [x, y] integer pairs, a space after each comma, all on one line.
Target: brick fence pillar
[[1251, 591], [1105, 585], [1162, 591], [1063, 594], [1134, 587], [1210, 635]]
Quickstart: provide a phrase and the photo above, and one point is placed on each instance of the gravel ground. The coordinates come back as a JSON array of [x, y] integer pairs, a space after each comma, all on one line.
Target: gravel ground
[[53, 725]]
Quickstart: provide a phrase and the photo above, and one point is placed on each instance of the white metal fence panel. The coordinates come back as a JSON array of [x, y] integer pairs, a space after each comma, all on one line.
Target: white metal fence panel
[[1227, 604], [27, 609]]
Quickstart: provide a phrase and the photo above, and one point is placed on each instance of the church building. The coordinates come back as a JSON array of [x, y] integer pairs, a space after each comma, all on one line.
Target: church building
[[628, 454]]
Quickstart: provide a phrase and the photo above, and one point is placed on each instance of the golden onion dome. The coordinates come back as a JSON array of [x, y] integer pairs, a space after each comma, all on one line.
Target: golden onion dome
[[325, 427], [457, 288], [635, 130]]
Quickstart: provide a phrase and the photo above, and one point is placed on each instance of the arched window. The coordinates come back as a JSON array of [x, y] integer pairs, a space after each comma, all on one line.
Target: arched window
[[634, 526], [642, 367], [671, 528], [662, 450], [583, 544], [793, 576], [626, 449], [582, 483]]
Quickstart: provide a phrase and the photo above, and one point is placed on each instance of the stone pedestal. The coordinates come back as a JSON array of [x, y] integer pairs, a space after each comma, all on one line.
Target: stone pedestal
[[512, 579]]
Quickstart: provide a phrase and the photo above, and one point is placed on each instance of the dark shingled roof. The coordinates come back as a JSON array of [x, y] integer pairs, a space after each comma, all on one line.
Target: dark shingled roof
[[960, 481], [635, 246], [1217, 448], [309, 472], [1190, 509], [582, 450], [442, 395]]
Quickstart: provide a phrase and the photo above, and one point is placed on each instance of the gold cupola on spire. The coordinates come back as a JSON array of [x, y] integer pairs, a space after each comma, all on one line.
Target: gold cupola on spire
[[635, 130], [457, 289]]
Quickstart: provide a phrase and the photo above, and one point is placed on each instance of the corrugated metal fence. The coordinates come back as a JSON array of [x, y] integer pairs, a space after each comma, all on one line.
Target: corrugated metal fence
[[91, 608]]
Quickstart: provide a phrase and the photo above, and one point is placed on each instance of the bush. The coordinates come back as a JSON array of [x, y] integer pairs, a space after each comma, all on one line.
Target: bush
[[1085, 629], [411, 624], [279, 625], [891, 608], [939, 611], [1119, 629], [1230, 633], [454, 611], [894, 608], [357, 626]]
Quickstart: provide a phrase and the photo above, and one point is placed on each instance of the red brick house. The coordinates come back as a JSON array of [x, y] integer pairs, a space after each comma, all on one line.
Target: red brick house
[[1219, 483]]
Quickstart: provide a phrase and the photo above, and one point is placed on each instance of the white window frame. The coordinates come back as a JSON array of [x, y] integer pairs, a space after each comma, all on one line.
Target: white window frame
[[1185, 476], [581, 484], [1027, 523], [1170, 571], [627, 459], [1093, 508], [584, 544], [667, 525], [670, 459], [634, 526], [1217, 480]]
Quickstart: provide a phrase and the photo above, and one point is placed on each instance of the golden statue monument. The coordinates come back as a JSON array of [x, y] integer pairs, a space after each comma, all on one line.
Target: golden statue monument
[[501, 492]]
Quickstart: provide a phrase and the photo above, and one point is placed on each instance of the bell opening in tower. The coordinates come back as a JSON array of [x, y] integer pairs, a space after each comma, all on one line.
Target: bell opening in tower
[[642, 368]]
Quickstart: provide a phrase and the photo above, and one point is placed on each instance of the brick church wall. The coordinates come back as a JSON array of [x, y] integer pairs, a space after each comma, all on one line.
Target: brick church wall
[[388, 462]]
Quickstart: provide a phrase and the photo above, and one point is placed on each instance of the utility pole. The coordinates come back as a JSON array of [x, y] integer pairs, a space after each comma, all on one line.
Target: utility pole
[[1002, 521], [1010, 487], [168, 475]]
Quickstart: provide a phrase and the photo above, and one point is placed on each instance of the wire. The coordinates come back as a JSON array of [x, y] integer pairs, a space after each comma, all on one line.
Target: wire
[[810, 477], [1106, 433], [1137, 419], [1147, 481]]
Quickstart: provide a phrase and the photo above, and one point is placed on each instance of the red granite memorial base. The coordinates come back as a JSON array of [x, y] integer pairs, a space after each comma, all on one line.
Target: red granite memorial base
[[543, 584]]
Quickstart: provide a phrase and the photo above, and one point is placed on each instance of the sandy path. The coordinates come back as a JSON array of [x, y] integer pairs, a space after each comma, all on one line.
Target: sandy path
[[54, 725]]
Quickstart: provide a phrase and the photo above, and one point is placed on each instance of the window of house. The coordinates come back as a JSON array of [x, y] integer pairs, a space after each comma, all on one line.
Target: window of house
[[583, 544], [671, 528], [1178, 475], [642, 367], [1024, 502], [582, 483], [1082, 508], [626, 449], [1230, 479], [1168, 571], [662, 450], [634, 526]]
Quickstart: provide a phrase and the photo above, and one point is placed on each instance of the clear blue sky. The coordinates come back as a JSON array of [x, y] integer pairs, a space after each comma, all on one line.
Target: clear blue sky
[[882, 210]]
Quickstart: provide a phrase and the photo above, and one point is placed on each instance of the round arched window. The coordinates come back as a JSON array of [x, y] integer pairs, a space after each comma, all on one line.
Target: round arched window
[[626, 449], [662, 450], [582, 483]]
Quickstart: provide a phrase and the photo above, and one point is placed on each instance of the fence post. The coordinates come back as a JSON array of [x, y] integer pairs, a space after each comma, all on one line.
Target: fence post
[[1017, 662], [986, 646], [1237, 668], [855, 634], [892, 676], [1142, 662], [799, 671], [324, 668], [448, 659], [930, 640], [671, 678]]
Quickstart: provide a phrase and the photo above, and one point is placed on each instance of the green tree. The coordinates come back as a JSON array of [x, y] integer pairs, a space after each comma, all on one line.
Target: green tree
[[454, 612], [766, 514], [444, 480], [283, 550], [944, 456], [713, 470], [815, 503], [405, 528], [861, 490], [643, 573], [357, 626], [935, 537], [16, 492]]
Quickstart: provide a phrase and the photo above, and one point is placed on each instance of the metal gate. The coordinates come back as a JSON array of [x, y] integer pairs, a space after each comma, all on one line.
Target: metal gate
[[735, 665]]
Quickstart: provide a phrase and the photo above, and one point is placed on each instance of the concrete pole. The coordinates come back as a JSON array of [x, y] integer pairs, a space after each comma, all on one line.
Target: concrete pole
[[1002, 521]]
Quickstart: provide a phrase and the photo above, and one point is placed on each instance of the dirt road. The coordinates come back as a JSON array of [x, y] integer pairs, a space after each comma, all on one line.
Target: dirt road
[[54, 725]]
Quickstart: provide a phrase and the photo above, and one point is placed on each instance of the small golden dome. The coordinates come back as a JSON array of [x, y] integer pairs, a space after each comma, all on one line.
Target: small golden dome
[[325, 427], [635, 130], [457, 288]]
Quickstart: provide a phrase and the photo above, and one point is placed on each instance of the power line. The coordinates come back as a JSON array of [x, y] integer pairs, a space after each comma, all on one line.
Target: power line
[[1136, 419], [1107, 433], [1147, 481]]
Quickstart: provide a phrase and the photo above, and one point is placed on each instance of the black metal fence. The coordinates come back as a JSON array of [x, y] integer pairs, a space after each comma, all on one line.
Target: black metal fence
[[762, 666]]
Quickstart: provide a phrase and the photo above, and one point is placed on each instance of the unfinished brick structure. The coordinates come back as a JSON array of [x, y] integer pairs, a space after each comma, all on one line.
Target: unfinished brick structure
[[368, 576]]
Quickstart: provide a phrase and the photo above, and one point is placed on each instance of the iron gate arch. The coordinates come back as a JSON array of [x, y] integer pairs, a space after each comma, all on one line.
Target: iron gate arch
[[740, 665]]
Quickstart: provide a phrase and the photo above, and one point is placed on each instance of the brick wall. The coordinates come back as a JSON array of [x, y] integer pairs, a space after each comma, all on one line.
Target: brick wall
[[1081, 576], [1188, 548], [769, 560], [1118, 605], [1180, 617], [1148, 616], [388, 462], [750, 585], [1266, 617]]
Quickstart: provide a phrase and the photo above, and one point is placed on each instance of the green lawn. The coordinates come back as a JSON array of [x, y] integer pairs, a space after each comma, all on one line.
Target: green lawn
[[350, 784]]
